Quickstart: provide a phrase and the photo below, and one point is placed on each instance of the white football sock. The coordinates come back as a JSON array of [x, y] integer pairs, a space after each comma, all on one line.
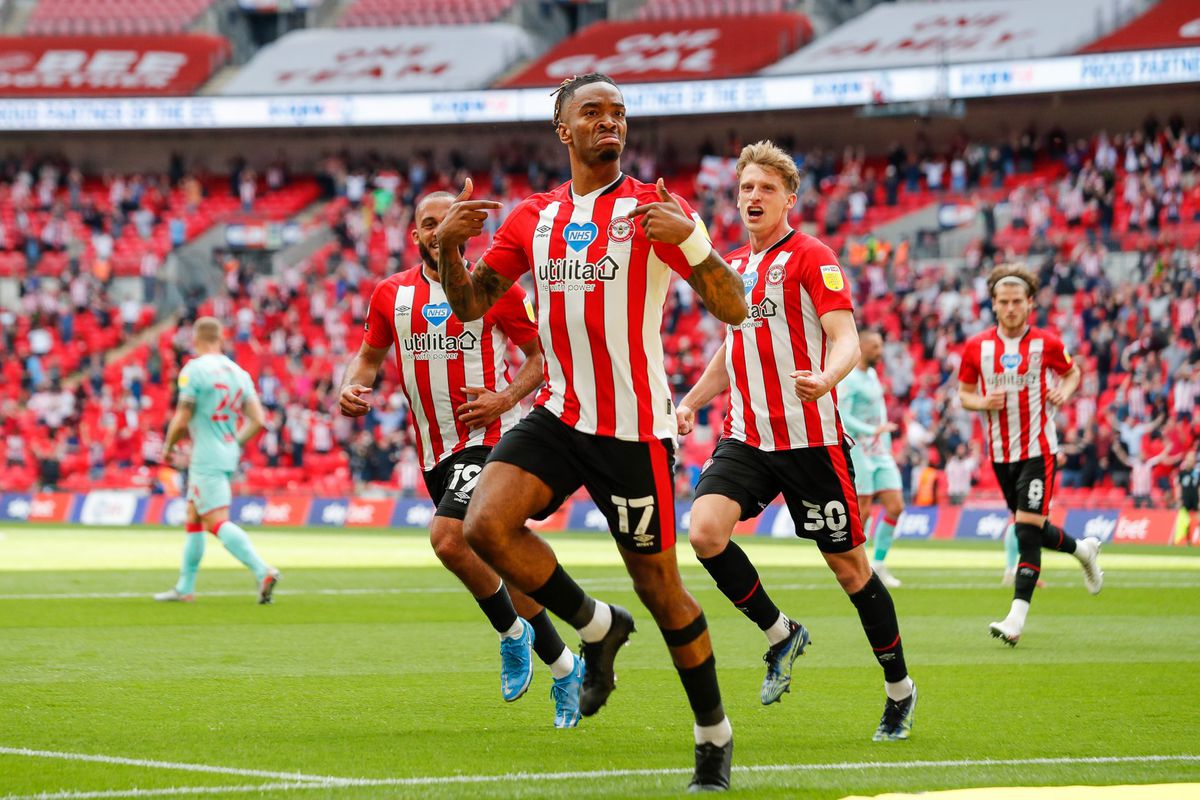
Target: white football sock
[[779, 630], [601, 621], [564, 664], [899, 690], [515, 631], [1020, 608], [718, 734]]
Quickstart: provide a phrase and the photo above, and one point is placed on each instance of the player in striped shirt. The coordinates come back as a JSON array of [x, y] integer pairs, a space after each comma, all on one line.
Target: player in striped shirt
[[1004, 374], [783, 433], [214, 393], [601, 249], [456, 379]]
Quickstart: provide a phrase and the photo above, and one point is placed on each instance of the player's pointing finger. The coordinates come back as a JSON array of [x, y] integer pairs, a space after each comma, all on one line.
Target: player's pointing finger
[[663, 194], [639, 210]]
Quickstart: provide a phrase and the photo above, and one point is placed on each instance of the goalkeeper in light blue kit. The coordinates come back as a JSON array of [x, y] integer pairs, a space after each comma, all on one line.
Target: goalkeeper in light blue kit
[[864, 416], [214, 393]]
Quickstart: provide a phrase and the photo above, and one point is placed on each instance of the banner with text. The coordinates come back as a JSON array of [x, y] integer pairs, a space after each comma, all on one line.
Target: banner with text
[[364, 60], [42, 66], [1170, 23], [912, 34], [677, 49]]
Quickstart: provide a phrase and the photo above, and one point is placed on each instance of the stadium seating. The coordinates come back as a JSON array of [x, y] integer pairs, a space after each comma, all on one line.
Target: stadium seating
[[113, 17], [685, 9], [382, 13]]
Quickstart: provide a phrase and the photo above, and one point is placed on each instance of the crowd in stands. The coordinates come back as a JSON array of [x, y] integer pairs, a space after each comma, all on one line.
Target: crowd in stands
[[74, 422]]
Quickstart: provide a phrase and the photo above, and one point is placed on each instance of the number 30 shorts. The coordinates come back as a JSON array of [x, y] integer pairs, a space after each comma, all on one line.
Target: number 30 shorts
[[817, 484]]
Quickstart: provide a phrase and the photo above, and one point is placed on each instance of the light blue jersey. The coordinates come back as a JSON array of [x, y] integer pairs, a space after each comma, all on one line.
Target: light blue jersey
[[863, 410], [219, 389]]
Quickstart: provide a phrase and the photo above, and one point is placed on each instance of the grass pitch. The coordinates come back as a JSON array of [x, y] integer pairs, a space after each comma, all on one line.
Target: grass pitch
[[375, 675]]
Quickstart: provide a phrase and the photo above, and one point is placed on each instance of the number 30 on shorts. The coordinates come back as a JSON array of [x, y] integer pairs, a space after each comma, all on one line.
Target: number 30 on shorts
[[833, 516]]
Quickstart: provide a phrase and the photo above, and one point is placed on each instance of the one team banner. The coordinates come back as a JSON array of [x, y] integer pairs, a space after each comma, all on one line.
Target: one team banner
[[358, 60], [108, 66], [121, 508]]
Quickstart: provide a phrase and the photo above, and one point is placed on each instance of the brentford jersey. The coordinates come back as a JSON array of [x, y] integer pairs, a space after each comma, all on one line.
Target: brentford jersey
[[601, 285], [1024, 428], [437, 355], [789, 286]]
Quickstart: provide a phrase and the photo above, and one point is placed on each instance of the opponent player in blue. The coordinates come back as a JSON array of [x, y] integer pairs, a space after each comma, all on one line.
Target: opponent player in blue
[[214, 393], [876, 476]]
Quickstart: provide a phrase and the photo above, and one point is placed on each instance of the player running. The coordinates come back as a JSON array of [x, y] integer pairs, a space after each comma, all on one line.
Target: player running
[[1187, 494], [601, 249], [1004, 375], [783, 433], [214, 392], [864, 415], [457, 383]]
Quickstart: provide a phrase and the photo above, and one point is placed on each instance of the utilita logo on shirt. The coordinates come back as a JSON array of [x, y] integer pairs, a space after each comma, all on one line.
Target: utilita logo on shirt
[[562, 275], [760, 313], [436, 346]]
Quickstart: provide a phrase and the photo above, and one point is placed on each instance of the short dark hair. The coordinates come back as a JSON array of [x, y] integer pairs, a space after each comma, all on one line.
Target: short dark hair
[[566, 90]]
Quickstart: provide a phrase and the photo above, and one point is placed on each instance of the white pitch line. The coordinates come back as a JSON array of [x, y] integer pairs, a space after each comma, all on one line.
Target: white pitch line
[[176, 765], [401, 590], [330, 782]]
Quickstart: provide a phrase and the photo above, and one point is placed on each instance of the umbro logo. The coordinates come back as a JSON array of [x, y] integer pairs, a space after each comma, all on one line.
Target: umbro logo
[[544, 230], [403, 310]]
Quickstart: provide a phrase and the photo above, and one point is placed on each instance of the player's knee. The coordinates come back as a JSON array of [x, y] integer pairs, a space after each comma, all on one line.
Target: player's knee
[[706, 539], [449, 544], [481, 532], [852, 575]]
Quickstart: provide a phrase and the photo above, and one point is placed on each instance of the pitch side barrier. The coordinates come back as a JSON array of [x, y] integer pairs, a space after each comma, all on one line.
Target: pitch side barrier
[[1121, 525]]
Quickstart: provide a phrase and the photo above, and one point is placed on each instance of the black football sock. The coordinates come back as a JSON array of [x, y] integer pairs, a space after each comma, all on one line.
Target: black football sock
[[498, 608], [563, 598], [546, 642], [738, 580], [1055, 538], [699, 682], [1029, 565], [878, 616]]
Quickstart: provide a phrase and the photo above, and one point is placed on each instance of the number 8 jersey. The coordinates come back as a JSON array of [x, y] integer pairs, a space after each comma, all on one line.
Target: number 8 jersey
[[219, 389]]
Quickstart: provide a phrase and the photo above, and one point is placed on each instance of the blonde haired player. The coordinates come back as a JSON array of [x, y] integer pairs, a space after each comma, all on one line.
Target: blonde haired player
[[214, 393], [783, 433]]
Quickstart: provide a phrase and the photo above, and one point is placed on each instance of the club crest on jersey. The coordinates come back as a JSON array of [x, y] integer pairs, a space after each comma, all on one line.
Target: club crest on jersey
[[578, 237], [436, 313], [831, 274], [620, 230], [775, 275], [1010, 360]]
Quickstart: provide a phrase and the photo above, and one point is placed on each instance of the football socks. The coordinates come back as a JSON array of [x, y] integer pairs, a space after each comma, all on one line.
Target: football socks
[[878, 616]]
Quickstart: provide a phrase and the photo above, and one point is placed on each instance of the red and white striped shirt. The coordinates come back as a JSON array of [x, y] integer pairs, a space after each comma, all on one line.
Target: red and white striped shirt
[[1024, 428], [437, 355], [601, 285], [789, 286]]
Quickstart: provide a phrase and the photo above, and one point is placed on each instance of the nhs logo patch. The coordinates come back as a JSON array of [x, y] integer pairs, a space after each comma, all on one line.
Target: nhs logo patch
[[436, 313], [749, 279], [578, 237], [1010, 360]]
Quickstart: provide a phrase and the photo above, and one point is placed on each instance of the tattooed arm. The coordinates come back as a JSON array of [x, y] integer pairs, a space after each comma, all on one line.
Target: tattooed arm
[[470, 294], [720, 288], [717, 284]]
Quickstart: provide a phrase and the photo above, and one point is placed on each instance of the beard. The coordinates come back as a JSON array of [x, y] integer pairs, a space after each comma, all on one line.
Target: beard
[[608, 155], [428, 259]]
